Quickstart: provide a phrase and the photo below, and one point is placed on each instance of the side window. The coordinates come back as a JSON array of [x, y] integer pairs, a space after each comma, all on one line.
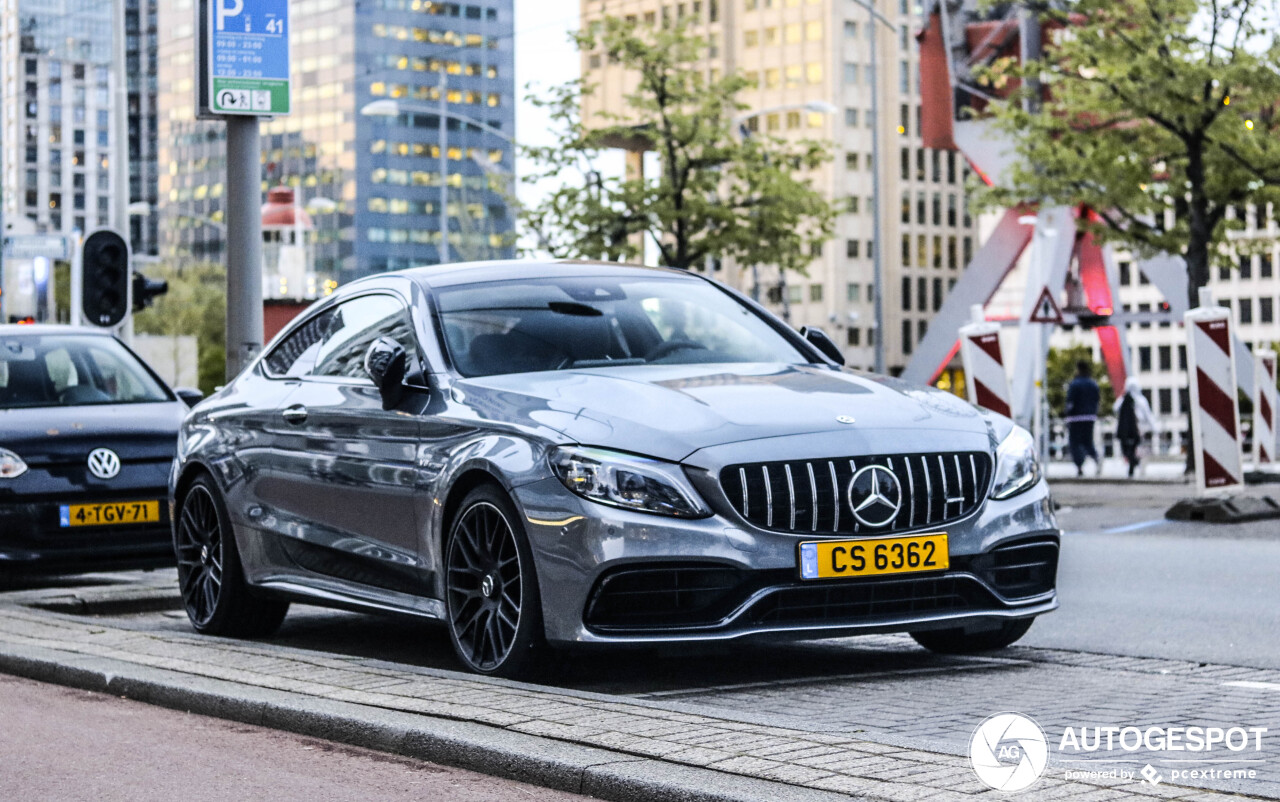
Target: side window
[[296, 355], [355, 325]]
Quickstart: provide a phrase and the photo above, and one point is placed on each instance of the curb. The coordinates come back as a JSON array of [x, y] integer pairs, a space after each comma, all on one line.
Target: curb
[[547, 762]]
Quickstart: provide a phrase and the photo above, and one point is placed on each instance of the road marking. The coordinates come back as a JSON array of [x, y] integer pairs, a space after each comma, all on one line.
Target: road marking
[[1254, 686], [1133, 527]]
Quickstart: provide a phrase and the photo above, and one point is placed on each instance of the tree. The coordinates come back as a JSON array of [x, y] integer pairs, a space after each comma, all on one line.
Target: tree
[[716, 194], [1160, 115], [195, 304], [1061, 369]]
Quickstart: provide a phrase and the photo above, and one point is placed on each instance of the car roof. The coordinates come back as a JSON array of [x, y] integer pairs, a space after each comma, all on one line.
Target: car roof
[[9, 329], [503, 270]]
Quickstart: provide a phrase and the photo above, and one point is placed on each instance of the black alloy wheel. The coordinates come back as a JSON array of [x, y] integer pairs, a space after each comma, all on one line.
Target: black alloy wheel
[[210, 577], [492, 597], [200, 557]]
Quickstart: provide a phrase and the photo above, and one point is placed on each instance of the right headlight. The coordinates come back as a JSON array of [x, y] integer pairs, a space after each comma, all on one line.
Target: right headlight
[[11, 465], [1017, 466], [626, 480]]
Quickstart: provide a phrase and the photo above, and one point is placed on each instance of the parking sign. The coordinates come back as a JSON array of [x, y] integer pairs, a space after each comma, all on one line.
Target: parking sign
[[248, 56]]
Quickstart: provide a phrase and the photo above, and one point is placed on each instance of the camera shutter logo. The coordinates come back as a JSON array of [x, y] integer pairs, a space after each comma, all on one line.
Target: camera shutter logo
[[104, 463], [1008, 751]]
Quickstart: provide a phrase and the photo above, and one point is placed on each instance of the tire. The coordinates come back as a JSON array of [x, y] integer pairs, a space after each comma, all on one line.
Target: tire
[[215, 594], [957, 641], [492, 605]]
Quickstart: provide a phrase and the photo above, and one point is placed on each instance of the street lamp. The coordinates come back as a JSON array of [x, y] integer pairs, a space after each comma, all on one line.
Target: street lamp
[[387, 107], [876, 245]]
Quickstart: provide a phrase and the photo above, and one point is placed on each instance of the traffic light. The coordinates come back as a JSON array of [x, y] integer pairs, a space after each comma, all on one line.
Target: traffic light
[[146, 289], [105, 279]]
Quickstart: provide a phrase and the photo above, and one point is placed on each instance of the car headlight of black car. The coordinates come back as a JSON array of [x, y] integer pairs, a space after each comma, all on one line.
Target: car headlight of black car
[[1017, 466], [11, 465], [626, 481]]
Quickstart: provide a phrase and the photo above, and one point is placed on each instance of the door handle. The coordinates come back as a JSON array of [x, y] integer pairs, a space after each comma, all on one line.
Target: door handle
[[295, 414]]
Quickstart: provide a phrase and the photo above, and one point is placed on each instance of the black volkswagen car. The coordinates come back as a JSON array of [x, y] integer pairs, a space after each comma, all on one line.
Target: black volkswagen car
[[87, 434]]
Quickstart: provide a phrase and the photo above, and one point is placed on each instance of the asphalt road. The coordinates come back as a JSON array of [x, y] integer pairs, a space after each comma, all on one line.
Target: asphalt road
[[1134, 584], [59, 744]]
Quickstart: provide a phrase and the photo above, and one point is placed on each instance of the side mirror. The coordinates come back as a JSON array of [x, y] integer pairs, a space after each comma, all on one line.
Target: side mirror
[[819, 339], [385, 363], [189, 395]]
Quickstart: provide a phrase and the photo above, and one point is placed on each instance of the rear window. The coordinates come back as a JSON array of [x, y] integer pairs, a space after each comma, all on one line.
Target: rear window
[[70, 370]]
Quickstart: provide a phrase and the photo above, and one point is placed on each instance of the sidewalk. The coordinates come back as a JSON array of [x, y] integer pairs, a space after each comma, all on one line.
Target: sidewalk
[[1164, 470], [606, 746]]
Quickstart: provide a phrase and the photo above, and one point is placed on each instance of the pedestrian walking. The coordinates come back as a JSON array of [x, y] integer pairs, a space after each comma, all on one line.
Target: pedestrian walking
[[1134, 419], [1083, 398]]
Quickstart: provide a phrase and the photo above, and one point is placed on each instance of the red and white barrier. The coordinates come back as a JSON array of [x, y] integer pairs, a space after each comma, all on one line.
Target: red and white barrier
[[1264, 408], [1211, 367], [986, 382]]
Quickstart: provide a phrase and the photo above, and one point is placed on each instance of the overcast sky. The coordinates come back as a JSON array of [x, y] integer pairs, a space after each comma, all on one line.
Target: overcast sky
[[543, 56]]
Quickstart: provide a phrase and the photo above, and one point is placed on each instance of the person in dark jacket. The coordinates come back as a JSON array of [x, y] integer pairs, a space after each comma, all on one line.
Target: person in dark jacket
[[1083, 397], [1133, 420]]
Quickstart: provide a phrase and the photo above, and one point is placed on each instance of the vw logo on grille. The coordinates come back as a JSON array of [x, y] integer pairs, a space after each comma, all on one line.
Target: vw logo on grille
[[875, 496], [104, 463]]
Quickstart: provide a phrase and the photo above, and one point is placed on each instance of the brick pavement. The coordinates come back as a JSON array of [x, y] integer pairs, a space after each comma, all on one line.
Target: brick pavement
[[882, 742]]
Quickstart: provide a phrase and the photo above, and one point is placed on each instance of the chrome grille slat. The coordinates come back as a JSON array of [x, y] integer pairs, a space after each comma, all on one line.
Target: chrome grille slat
[[928, 492], [791, 495], [946, 492], [768, 494], [936, 488], [836, 501], [911, 493], [813, 493]]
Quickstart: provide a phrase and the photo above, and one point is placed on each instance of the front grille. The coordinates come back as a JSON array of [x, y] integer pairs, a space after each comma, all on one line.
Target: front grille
[[872, 600], [811, 496]]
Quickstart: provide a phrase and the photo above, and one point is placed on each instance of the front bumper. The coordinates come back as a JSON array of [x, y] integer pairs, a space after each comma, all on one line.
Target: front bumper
[[31, 537], [614, 576]]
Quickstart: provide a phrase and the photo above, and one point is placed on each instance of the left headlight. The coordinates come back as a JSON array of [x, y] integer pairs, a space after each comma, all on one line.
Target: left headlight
[[626, 481], [11, 465], [1017, 468]]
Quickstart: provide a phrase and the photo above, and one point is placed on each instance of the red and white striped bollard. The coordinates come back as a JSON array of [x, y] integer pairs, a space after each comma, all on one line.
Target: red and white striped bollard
[[1211, 369]]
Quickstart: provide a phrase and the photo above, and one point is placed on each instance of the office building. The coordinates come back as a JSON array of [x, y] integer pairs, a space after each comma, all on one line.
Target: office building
[[376, 177], [800, 51]]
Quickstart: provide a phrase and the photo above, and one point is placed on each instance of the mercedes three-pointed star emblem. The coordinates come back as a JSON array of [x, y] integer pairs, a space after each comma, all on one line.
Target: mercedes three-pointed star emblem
[[875, 496]]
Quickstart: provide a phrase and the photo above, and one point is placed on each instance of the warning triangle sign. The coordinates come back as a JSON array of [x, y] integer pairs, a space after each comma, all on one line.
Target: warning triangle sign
[[1046, 309]]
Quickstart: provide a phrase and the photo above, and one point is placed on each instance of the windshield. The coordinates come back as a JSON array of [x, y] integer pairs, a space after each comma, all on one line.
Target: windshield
[[552, 324], [72, 370]]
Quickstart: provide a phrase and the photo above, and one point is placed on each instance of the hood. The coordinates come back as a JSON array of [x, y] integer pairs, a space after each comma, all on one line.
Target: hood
[[56, 435], [671, 411]]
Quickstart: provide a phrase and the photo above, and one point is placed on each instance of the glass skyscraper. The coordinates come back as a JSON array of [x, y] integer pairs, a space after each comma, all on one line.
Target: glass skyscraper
[[381, 172]]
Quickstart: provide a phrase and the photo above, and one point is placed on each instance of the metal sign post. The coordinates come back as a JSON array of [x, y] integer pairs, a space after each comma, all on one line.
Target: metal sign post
[[243, 73]]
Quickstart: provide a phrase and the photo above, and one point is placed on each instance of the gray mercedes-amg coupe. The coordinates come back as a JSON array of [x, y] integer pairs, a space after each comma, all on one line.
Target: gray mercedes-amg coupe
[[551, 454]]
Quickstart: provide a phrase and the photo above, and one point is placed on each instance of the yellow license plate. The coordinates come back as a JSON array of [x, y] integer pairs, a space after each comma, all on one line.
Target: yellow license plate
[[109, 514], [842, 559]]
